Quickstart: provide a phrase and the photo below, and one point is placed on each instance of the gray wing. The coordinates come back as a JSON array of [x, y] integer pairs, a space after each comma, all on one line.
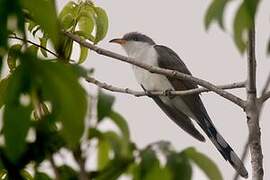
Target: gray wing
[[168, 59], [180, 119]]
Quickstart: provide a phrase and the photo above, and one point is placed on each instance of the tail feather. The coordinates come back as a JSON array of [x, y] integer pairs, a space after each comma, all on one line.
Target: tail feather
[[225, 149]]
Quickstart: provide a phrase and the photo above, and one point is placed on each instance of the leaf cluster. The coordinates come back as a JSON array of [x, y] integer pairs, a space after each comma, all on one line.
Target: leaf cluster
[[45, 107]]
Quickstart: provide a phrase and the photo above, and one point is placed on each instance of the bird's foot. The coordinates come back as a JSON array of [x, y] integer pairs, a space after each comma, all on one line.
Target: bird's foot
[[168, 93], [147, 92]]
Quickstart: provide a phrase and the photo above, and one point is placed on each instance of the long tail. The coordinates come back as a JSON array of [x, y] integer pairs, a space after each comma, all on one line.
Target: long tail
[[224, 148]]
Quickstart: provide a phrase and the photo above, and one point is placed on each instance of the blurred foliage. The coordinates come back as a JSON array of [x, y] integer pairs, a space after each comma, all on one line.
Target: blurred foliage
[[243, 21], [45, 106]]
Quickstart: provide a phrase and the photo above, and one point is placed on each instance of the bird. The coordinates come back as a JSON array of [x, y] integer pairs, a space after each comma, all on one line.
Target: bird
[[181, 109]]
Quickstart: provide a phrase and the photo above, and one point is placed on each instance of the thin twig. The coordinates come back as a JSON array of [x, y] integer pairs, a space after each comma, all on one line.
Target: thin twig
[[159, 93], [157, 70], [54, 167], [35, 44], [265, 94]]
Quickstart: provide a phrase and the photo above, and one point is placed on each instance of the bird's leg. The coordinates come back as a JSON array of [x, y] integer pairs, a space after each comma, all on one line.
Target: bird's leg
[[147, 92], [168, 93]]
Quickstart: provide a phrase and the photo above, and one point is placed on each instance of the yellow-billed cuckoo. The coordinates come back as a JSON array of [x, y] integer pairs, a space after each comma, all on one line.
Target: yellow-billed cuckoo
[[179, 108]]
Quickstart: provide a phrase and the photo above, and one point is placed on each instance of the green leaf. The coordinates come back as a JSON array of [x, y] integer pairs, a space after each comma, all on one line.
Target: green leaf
[[159, 173], [121, 123], [41, 176], [102, 24], [103, 154], [104, 105], [17, 116], [115, 142], [149, 160], [68, 98], [13, 54], [179, 166], [204, 163], [215, 12], [67, 21], [67, 45], [83, 54], [49, 23], [16, 125], [242, 23], [252, 7], [114, 169], [67, 173], [3, 90], [3, 174], [26, 175], [70, 7], [32, 49], [43, 43], [86, 25]]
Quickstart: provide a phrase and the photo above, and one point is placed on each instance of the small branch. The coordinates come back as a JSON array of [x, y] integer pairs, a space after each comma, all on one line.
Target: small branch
[[253, 112], [243, 158], [265, 94], [35, 44], [81, 162], [157, 70], [159, 93], [54, 167], [264, 97]]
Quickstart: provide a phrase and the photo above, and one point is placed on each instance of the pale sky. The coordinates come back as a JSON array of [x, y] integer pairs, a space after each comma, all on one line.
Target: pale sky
[[209, 55]]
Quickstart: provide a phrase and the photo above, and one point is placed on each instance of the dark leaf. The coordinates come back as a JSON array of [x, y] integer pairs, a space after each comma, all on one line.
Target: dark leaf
[[43, 43], [68, 98], [204, 163], [13, 54], [41, 176], [121, 123], [149, 161], [16, 124], [49, 23], [114, 169], [3, 90], [104, 105], [159, 173], [215, 12], [242, 23], [67, 173], [179, 166]]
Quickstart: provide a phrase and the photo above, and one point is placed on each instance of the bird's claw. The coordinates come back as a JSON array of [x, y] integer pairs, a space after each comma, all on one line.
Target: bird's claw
[[168, 93]]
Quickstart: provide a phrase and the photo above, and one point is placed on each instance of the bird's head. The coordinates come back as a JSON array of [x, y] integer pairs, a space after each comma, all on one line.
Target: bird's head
[[134, 42]]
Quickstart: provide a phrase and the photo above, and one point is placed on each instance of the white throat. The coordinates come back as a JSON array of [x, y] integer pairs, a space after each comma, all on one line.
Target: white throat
[[135, 49]]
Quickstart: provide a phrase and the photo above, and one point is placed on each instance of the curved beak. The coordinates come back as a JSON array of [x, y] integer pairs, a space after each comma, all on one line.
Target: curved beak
[[118, 41]]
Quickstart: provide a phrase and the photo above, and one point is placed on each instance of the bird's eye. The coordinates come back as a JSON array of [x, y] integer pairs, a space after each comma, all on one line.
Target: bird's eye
[[135, 39]]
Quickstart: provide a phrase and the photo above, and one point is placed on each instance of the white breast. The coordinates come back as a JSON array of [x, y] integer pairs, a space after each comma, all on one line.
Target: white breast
[[150, 81]]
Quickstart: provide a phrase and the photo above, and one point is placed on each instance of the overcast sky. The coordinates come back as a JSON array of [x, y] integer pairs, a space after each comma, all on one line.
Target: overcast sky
[[209, 55]]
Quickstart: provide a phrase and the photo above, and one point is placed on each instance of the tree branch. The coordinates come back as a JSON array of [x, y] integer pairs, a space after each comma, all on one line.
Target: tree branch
[[265, 94], [252, 111], [157, 70], [159, 93], [54, 167], [35, 44]]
